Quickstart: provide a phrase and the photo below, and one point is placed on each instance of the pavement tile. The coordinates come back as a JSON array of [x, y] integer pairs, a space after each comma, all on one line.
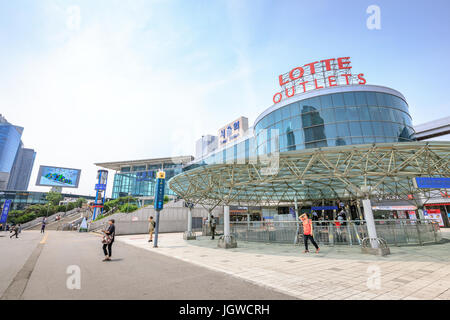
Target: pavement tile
[[336, 273]]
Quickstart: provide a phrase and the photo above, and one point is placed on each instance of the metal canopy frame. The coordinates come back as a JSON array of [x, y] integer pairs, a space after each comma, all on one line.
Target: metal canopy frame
[[378, 171]]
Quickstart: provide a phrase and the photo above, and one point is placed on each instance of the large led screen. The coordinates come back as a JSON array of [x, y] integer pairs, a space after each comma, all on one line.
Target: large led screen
[[58, 177]]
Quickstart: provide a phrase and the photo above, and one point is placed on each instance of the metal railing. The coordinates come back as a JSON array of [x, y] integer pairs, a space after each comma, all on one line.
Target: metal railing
[[394, 232]]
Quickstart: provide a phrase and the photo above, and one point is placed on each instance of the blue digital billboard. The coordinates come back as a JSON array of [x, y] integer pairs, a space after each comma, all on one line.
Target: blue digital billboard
[[58, 177]]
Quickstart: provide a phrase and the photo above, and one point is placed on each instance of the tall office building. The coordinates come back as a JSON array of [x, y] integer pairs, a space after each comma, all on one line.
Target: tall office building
[[16, 162]]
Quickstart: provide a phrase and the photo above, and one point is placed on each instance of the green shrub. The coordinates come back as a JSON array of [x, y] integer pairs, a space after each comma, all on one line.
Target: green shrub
[[128, 207]]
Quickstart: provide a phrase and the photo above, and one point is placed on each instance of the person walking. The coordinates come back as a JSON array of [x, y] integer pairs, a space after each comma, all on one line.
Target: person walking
[[212, 225], [20, 228], [151, 228], [108, 240], [44, 222], [315, 216], [14, 229], [308, 232]]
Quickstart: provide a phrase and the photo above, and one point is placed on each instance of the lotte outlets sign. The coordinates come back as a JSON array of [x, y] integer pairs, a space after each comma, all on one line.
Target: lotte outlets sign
[[317, 75]]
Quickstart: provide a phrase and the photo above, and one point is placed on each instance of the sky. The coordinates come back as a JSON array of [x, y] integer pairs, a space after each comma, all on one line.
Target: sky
[[108, 80]]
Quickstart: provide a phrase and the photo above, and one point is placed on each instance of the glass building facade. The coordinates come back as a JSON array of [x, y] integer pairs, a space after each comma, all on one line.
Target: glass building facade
[[338, 119], [140, 182], [9, 145], [325, 119], [137, 178], [22, 199], [16, 162]]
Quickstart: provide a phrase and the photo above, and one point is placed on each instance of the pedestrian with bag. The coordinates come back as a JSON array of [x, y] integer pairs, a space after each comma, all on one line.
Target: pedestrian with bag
[[108, 240], [212, 225], [14, 229], [151, 228], [44, 222], [308, 232]]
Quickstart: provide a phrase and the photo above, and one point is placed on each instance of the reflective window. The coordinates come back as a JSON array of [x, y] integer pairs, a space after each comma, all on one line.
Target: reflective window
[[342, 141], [328, 115], [349, 99], [314, 103], [378, 128], [338, 99], [385, 114], [325, 101], [375, 113], [342, 129], [366, 127], [316, 119], [353, 113], [355, 129], [357, 140], [306, 120], [285, 112], [380, 99], [296, 123], [371, 99], [298, 136], [364, 113], [388, 100], [330, 131], [294, 108], [277, 115], [319, 133], [360, 98], [341, 114]]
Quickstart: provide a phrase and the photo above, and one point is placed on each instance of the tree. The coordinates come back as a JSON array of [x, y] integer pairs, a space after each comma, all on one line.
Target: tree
[[54, 197]]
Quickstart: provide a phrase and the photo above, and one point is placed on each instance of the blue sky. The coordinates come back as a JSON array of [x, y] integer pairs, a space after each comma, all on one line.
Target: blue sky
[[143, 79]]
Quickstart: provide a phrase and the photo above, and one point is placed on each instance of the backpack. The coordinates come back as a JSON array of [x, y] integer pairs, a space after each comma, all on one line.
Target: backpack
[[213, 223]]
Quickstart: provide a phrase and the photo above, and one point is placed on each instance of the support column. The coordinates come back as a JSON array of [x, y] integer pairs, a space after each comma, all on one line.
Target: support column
[[370, 222], [227, 240], [226, 221], [189, 235], [420, 210], [358, 208], [296, 221]]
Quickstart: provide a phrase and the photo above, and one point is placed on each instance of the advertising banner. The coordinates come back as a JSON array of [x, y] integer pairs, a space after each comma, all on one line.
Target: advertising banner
[[58, 177], [159, 191], [5, 211], [434, 214]]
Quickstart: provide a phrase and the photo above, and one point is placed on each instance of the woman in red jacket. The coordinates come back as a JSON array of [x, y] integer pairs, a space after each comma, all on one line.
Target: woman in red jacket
[[308, 232]]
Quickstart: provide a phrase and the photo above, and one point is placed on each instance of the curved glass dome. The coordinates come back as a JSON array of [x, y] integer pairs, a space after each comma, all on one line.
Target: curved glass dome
[[336, 119]]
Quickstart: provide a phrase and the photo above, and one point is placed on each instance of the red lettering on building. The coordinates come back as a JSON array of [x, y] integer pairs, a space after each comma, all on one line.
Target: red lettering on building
[[346, 77], [286, 91], [300, 74], [320, 74], [328, 63], [332, 81], [343, 64], [317, 86], [277, 95], [361, 78], [312, 69]]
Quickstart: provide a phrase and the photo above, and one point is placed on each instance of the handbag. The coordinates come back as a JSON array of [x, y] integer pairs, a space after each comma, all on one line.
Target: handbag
[[106, 239]]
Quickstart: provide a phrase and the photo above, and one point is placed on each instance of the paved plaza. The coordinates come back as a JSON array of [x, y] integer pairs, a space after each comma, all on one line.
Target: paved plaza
[[38, 266], [337, 273]]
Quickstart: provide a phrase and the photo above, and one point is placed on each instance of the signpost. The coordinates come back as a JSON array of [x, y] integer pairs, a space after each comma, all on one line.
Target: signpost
[[100, 187], [5, 213], [159, 201]]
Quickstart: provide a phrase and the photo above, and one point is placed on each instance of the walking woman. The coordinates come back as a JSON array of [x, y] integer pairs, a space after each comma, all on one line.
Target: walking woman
[[308, 232], [108, 240]]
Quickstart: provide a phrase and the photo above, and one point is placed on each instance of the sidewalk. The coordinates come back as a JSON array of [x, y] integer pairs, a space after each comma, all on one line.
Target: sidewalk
[[340, 272]]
